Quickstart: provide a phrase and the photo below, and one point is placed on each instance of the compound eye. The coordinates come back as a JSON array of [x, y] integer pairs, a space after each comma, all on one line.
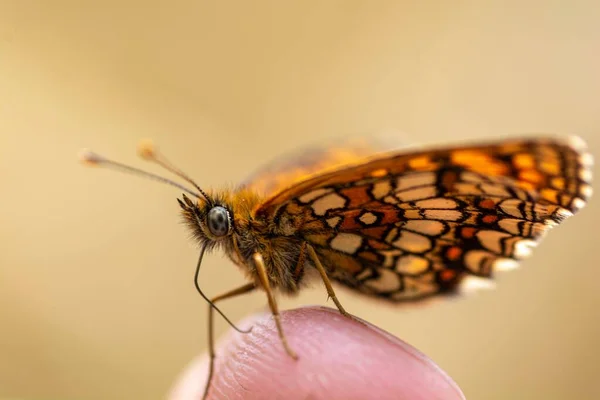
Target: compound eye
[[218, 221]]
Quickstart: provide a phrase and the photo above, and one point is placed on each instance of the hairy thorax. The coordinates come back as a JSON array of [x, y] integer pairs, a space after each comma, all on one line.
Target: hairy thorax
[[252, 234]]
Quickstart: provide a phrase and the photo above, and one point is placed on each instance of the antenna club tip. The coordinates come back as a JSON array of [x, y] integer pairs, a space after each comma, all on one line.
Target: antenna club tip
[[88, 157], [146, 149]]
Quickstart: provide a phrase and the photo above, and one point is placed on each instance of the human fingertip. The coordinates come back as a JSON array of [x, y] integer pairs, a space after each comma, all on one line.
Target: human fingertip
[[339, 358]]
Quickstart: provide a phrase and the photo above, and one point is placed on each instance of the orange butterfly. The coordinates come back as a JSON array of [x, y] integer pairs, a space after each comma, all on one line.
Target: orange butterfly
[[399, 226]]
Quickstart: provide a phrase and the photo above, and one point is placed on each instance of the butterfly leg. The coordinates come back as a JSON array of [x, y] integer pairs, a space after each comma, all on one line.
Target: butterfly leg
[[300, 264], [211, 341], [315, 259], [264, 280]]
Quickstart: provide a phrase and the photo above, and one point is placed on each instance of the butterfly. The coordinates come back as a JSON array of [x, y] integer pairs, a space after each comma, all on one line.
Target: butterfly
[[400, 226]]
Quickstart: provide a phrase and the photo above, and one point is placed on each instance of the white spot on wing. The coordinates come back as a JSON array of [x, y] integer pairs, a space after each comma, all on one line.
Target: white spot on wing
[[586, 160], [333, 221], [495, 190], [328, 202], [417, 194], [437, 203], [577, 143], [539, 229], [471, 284], [467, 189], [388, 281], [346, 242], [492, 240], [585, 190], [505, 264], [310, 196], [585, 175], [444, 215], [414, 180], [368, 218], [411, 264], [510, 225], [562, 215], [412, 242], [578, 204], [511, 207], [476, 259], [523, 248], [426, 227], [390, 200], [381, 189], [472, 177], [423, 285]]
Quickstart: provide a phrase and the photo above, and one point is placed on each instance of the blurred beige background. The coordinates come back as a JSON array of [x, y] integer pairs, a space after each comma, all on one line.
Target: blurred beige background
[[96, 295]]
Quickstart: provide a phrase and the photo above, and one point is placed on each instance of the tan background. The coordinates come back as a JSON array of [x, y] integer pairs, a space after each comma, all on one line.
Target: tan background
[[96, 296]]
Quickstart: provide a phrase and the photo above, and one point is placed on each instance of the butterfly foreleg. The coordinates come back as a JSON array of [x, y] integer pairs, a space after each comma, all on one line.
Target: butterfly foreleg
[[264, 280], [211, 342], [301, 260], [315, 259]]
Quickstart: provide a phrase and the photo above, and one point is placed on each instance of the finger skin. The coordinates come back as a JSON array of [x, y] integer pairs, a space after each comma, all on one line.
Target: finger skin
[[339, 358]]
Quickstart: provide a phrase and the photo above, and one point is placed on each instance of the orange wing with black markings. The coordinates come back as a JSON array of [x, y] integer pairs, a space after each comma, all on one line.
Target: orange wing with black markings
[[291, 169], [408, 225]]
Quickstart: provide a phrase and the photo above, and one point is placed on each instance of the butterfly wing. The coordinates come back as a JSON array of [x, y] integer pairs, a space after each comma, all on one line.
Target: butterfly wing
[[413, 224], [299, 166]]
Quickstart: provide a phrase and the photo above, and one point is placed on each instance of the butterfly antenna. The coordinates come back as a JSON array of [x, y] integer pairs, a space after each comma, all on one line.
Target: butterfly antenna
[[88, 157], [206, 298], [148, 151]]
